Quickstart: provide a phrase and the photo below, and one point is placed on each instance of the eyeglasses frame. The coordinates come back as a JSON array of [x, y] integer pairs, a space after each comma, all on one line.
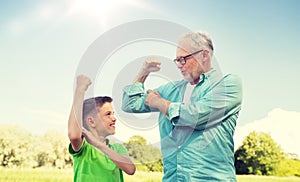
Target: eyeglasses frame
[[182, 59]]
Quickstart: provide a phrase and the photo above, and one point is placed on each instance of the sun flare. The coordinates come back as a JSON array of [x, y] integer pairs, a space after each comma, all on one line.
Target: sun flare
[[103, 10]]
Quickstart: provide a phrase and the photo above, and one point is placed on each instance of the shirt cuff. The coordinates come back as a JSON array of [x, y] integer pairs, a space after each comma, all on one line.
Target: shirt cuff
[[174, 111]]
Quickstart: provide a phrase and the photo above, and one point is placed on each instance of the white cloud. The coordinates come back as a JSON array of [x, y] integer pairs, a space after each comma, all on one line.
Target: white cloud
[[282, 125]]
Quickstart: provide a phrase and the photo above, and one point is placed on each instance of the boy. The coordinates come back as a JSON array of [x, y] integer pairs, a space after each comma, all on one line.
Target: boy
[[94, 157]]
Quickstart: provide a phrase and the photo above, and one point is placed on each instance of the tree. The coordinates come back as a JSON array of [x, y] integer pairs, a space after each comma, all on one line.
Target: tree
[[15, 145], [59, 144], [51, 150], [288, 167], [19, 148], [259, 154], [144, 155]]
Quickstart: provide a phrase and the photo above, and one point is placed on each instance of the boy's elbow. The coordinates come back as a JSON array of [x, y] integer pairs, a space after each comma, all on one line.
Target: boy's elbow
[[74, 137], [75, 141], [132, 170]]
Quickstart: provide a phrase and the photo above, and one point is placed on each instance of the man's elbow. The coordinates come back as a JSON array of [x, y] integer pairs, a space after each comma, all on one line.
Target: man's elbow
[[127, 108], [124, 108]]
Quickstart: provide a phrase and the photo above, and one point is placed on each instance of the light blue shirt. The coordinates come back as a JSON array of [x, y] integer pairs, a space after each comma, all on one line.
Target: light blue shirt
[[197, 137]]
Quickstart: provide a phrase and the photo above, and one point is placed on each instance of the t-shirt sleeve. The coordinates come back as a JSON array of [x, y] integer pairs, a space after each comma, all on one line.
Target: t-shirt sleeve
[[120, 149], [79, 152]]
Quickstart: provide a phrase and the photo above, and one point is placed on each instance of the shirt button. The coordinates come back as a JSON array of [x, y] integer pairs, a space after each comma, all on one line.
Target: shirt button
[[179, 146]]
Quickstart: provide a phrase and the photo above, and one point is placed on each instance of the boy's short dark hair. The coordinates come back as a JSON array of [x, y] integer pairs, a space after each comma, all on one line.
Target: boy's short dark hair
[[90, 107]]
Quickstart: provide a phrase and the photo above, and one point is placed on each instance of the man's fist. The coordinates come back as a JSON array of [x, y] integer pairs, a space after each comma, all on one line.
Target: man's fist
[[151, 64]]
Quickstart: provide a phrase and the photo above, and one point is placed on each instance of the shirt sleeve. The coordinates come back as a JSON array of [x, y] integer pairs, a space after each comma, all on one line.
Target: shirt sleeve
[[79, 152], [134, 97], [120, 149], [173, 110], [223, 100]]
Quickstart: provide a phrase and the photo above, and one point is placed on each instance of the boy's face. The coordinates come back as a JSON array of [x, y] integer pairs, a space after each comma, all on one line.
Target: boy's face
[[107, 120]]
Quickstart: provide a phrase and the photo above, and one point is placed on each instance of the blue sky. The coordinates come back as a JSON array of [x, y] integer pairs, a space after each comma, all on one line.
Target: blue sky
[[42, 42]]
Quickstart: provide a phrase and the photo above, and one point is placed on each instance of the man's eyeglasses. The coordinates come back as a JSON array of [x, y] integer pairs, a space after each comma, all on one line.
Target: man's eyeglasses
[[182, 59]]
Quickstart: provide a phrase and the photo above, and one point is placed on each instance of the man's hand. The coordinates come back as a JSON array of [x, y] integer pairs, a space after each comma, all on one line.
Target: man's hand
[[83, 82], [151, 64], [154, 100]]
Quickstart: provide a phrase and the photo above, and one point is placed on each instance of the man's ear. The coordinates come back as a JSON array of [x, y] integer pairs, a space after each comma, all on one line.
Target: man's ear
[[91, 122], [206, 55]]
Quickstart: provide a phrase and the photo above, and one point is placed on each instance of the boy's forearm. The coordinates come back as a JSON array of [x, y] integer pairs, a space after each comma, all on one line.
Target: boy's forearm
[[122, 161]]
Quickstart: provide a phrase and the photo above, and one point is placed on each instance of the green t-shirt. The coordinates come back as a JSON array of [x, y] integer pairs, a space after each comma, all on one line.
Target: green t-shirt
[[91, 164]]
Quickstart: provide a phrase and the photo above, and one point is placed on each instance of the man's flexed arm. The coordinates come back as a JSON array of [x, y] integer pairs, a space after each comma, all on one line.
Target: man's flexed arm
[[134, 95], [75, 118]]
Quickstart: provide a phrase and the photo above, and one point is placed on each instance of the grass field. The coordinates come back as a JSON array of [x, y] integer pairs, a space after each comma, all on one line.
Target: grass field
[[51, 175]]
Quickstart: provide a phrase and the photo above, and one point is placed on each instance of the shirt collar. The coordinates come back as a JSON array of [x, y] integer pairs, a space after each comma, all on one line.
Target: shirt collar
[[213, 73], [208, 75]]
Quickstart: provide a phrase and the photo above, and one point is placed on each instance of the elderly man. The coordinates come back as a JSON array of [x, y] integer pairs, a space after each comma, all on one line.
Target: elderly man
[[198, 114]]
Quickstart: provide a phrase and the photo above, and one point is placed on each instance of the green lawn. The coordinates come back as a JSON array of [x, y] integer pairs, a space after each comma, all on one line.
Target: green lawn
[[251, 178], [52, 175]]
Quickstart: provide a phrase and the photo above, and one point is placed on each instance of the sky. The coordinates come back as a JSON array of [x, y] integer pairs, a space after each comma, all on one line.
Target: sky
[[43, 42]]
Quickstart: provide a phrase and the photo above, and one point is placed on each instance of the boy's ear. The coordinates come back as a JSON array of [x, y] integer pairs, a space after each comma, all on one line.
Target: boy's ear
[[91, 122]]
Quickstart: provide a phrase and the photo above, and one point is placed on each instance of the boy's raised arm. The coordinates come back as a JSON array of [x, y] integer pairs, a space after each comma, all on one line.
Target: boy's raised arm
[[75, 118]]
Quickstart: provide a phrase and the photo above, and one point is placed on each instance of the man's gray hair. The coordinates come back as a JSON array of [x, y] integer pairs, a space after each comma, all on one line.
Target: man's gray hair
[[198, 41]]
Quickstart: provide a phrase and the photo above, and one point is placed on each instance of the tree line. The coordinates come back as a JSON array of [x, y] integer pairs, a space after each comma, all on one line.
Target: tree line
[[19, 148], [259, 154]]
